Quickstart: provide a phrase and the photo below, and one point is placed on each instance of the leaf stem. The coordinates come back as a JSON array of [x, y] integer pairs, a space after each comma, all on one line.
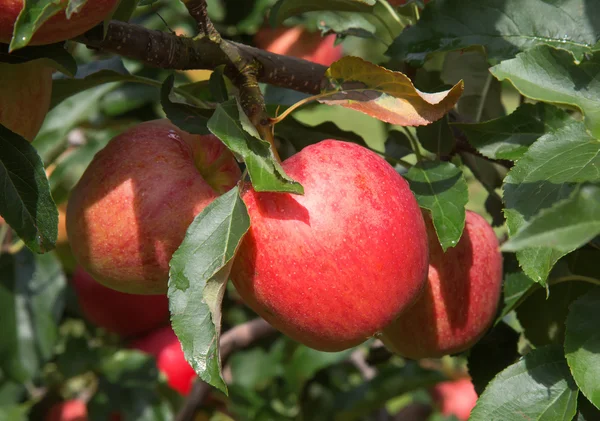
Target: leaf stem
[[574, 278], [416, 12], [3, 231], [298, 104], [183, 93], [414, 144], [391, 11], [484, 94]]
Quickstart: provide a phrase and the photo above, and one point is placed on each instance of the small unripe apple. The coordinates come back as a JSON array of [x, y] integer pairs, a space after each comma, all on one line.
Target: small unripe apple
[[165, 347], [298, 42], [118, 312], [460, 298], [131, 208], [58, 27], [456, 397], [25, 90], [334, 266]]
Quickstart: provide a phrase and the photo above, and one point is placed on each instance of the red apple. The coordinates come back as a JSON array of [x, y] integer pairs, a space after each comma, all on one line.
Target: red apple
[[165, 347], [457, 397], [331, 268], [58, 27], [124, 314], [460, 298], [26, 89], [132, 206], [298, 42], [72, 410]]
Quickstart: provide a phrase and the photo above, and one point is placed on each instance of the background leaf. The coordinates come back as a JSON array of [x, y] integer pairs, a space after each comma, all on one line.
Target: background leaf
[[284, 9], [582, 342], [539, 386], [197, 279], [441, 188], [551, 75]]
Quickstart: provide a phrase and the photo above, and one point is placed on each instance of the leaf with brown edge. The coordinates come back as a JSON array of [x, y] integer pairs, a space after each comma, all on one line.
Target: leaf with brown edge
[[384, 94]]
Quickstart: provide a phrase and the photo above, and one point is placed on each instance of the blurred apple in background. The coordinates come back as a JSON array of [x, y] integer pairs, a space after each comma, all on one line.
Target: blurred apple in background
[[118, 312], [165, 347], [456, 397], [72, 410], [298, 42]]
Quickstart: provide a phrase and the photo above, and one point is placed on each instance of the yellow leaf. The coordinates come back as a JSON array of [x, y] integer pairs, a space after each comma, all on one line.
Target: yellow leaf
[[386, 95]]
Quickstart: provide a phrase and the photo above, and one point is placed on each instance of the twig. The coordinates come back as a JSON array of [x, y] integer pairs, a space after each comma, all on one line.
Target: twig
[[198, 10], [236, 338]]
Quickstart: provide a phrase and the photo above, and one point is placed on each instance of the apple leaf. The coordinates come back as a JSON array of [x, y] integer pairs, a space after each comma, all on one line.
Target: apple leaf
[[230, 125], [509, 137], [301, 135], [197, 280], [284, 9], [186, 117], [582, 341], [346, 24], [539, 386], [32, 17], [441, 188], [517, 287], [26, 203], [565, 226], [437, 137], [503, 27], [389, 96], [54, 55], [551, 75], [32, 298], [546, 174]]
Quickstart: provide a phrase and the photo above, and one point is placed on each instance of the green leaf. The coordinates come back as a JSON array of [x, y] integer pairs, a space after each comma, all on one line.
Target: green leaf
[[538, 387], [301, 135], [125, 10], [543, 176], [509, 137], [284, 9], [543, 313], [390, 382], [481, 99], [230, 125], [517, 287], [503, 27], [26, 203], [32, 295], [582, 344], [441, 188], [346, 24], [197, 280], [186, 117], [217, 84], [565, 226], [32, 17], [306, 362], [551, 75], [437, 137], [384, 94], [54, 55]]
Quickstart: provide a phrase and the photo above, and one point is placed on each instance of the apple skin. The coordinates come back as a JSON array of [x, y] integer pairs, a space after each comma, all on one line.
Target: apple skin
[[131, 208], [165, 347], [26, 90], [460, 298], [331, 268], [298, 42], [456, 397], [58, 27], [124, 314]]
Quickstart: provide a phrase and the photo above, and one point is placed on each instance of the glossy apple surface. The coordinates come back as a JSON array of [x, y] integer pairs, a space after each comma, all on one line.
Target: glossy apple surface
[[118, 312], [25, 90], [460, 298], [165, 347], [332, 267], [298, 42], [457, 397], [58, 27], [132, 206]]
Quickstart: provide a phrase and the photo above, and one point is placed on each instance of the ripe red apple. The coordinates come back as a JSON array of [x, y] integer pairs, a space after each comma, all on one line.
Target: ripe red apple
[[118, 312], [58, 27], [460, 298], [165, 347], [132, 206], [26, 89], [456, 397], [333, 267], [298, 42], [72, 410]]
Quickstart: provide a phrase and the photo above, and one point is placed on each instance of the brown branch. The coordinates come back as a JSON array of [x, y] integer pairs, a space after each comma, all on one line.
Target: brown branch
[[198, 10], [236, 338], [168, 51]]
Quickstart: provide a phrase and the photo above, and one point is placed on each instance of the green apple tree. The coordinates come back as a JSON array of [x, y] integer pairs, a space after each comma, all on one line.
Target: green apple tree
[[405, 196]]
